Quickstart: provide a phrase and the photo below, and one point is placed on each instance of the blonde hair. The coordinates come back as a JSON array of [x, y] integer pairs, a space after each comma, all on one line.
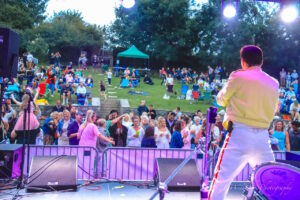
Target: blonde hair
[[25, 102], [159, 121], [88, 118], [67, 112], [53, 114]]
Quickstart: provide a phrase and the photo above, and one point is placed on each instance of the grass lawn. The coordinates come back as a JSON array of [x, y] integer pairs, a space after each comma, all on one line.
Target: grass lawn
[[155, 94]]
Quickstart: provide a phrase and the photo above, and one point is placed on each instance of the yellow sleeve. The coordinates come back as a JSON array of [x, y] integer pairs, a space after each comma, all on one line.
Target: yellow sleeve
[[228, 90]]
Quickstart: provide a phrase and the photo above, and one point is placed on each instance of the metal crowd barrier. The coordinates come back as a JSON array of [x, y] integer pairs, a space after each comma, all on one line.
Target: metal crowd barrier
[[87, 158], [136, 164]]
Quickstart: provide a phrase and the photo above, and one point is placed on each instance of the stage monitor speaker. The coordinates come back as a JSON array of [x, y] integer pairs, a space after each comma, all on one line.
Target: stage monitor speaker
[[188, 179], [9, 53], [50, 173], [10, 160]]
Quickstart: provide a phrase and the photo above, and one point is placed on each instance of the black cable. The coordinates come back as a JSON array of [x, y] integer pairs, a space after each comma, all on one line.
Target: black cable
[[57, 159]]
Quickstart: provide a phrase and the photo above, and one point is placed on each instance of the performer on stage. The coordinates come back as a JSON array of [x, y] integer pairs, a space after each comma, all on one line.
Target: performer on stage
[[250, 97]]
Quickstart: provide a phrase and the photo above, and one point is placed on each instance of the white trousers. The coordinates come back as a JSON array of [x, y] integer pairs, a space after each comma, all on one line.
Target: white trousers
[[244, 145]]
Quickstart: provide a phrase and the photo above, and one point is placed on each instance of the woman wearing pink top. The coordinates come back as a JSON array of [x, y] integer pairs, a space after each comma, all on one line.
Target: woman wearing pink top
[[185, 133], [88, 131]]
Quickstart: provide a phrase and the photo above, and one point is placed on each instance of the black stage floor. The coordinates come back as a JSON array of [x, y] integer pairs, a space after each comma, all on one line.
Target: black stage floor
[[115, 191]]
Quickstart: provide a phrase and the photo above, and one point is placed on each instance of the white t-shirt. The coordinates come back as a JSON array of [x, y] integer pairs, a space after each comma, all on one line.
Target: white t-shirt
[[109, 74], [81, 90], [162, 142], [170, 81], [133, 141], [195, 128]]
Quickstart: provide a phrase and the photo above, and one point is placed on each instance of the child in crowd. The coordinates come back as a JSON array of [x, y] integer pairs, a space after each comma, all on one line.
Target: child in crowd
[[109, 76], [102, 90]]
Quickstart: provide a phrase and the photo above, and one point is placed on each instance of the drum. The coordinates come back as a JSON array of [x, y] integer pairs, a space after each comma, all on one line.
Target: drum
[[276, 181]]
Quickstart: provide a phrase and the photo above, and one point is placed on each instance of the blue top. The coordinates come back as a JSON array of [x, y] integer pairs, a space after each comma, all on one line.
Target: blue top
[[148, 142], [176, 140], [280, 136]]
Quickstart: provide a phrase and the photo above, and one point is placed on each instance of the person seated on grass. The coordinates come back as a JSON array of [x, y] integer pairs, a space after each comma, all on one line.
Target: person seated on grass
[[125, 82], [81, 90], [148, 80], [76, 81], [133, 80], [66, 92], [69, 78], [89, 82]]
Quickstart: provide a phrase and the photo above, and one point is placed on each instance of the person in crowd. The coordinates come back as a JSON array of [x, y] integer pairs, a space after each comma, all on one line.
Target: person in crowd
[[109, 76], [176, 139], [178, 113], [142, 108], [88, 131], [170, 121], [69, 78], [102, 90], [127, 121], [163, 75], [76, 81], [135, 133], [295, 106], [49, 128], [62, 128], [295, 116], [100, 144], [148, 140], [89, 82], [162, 134], [118, 131], [288, 80], [294, 136], [148, 80], [27, 107], [73, 129], [66, 91], [282, 75], [185, 132], [152, 112], [58, 107], [51, 80], [170, 84], [281, 135], [195, 128], [29, 61], [294, 75], [145, 121], [81, 90]]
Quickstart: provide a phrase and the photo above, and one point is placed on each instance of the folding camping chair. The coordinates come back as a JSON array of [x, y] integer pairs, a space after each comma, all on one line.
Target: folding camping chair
[[44, 91], [184, 89]]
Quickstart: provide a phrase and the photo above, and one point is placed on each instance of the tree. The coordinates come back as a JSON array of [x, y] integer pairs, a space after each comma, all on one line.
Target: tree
[[21, 15], [68, 33], [159, 27]]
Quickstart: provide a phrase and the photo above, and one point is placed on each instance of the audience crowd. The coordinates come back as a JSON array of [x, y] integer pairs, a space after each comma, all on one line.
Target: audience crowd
[[144, 128]]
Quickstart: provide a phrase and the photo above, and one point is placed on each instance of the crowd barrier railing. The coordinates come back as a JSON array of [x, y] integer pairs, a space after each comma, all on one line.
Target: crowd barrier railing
[[137, 164], [123, 163], [87, 158]]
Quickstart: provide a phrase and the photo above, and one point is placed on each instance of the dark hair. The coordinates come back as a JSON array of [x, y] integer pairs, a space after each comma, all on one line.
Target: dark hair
[[296, 124], [113, 111], [178, 108], [177, 126], [186, 119], [252, 55], [149, 132], [172, 113]]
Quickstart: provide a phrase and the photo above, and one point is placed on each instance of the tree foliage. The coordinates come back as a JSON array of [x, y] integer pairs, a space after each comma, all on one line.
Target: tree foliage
[[174, 32]]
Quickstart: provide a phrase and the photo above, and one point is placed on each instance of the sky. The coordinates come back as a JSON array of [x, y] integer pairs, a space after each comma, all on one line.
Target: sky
[[100, 12]]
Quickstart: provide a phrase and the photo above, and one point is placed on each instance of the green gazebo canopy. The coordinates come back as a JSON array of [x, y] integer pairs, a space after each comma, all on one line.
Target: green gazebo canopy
[[133, 52]]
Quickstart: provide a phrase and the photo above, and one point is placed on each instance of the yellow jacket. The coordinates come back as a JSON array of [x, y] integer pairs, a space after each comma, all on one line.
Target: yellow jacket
[[250, 97]]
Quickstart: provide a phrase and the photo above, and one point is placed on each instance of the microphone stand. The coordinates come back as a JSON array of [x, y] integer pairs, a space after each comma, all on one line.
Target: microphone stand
[[211, 118], [163, 187]]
